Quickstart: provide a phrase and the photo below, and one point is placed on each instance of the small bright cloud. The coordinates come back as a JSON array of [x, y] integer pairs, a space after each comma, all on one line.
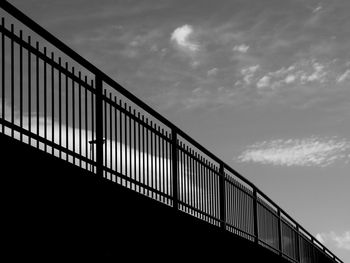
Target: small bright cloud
[[341, 241], [290, 79], [241, 48], [317, 9], [212, 72], [297, 152], [182, 37], [318, 73], [343, 76], [263, 82], [248, 73]]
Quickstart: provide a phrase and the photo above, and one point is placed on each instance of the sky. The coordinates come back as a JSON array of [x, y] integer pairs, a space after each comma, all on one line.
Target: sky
[[263, 84]]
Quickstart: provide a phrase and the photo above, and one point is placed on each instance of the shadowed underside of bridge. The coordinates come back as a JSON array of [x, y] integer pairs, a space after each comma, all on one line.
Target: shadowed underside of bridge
[[53, 209]]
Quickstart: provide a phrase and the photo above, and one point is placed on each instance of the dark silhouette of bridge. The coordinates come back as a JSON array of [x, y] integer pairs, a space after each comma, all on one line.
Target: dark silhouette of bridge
[[91, 172]]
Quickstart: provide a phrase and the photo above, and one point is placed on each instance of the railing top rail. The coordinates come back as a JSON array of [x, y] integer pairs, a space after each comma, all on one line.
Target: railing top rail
[[35, 27]]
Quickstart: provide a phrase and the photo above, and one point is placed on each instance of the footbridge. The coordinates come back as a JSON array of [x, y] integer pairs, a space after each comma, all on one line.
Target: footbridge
[[89, 171]]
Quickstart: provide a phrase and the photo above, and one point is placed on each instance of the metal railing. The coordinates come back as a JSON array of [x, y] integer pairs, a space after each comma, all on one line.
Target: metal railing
[[60, 103]]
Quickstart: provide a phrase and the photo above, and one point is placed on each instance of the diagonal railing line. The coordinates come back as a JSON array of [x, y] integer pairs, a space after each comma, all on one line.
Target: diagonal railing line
[[188, 170]]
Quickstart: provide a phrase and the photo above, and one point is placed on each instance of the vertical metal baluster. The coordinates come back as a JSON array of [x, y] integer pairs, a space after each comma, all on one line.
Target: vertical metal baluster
[[203, 186], [180, 177], [12, 81], [37, 94], [60, 105], [218, 190], [3, 73], [279, 231], [130, 147], [192, 190], [204, 203], [80, 117], [214, 174], [105, 129], [216, 197], [201, 179], [200, 189], [115, 138], [126, 144], [195, 174], [174, 157], [222, 196], [67, 111], [135, 148], [207, 198], [195, 203], [21, 84], [186, 176], [197, 165], [29, 91], [163, 166], [93, 123], [86, 123], [156, 170], [152, 156], [298, 258], [255, 209], [154, 160], [228, 203], [121, 139], [159, 158], [53, 101], [45, 98], [110, 136], [139, 147], [147, 158], [168, 175], [190, 179], [143, 154], [188, 172], [73, 115], [189, 161]]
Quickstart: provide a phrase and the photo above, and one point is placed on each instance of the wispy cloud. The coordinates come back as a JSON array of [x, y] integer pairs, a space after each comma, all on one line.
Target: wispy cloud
[[212, 72], [343, 76], [185, 42], [341, 241], [248, 73], [263, 82], [312, 151], [317, 9], [241, 48], [182, 38]]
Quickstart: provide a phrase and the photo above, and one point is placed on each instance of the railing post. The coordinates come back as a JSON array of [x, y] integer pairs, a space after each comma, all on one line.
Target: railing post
[[222, 197], [279, 231], [174, 158], [99, 126], [255, 210], [298, 244]]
